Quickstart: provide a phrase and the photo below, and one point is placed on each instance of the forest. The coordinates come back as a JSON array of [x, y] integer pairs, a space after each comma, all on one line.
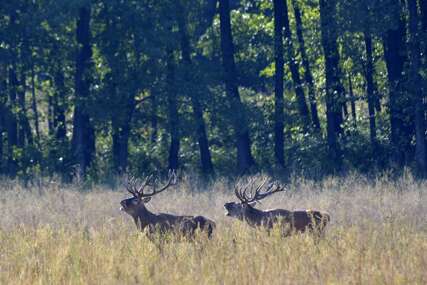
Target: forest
[[97, 88], [213, 142]]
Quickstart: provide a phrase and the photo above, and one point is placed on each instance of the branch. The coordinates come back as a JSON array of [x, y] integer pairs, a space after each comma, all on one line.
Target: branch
[[139, 101]]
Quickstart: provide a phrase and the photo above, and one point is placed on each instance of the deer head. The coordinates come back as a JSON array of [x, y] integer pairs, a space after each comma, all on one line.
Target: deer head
[[249, 192], [140, 197]]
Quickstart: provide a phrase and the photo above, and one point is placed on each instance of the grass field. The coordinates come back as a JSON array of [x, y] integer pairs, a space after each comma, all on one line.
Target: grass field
[[56, 235]]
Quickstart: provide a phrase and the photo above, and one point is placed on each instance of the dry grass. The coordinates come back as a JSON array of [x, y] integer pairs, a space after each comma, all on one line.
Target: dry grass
[[378, 235]]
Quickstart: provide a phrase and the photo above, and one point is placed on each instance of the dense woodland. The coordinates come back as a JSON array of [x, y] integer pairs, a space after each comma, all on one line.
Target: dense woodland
[[312, 87]]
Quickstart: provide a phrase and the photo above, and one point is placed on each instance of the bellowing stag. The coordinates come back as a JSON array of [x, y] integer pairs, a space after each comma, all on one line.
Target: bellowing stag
[[161, 223], [290, 221]]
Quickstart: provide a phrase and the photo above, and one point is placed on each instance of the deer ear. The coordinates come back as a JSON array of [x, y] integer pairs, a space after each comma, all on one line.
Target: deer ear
[[146, 199]]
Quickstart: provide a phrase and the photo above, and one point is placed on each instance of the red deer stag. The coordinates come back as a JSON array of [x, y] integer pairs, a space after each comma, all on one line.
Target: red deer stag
[[160, 223], [290, 221]]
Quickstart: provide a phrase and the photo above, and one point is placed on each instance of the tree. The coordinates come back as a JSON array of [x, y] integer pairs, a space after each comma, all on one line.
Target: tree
[[201, 134], [370, 88], [352, 101], [293, 66], [172, 110], [308, 76], [10, 116], [416, 88], [160, 82], [119, 81], [3, 112], [278, 83], [395, 58], [334, 88], [239, 120], [83, 141], [59, 104]]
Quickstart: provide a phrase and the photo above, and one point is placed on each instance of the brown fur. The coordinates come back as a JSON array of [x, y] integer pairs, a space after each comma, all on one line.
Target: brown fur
[[165, 223], [289, 221]]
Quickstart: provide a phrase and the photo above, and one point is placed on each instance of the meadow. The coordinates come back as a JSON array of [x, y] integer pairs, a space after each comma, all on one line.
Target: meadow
[[56, 234]]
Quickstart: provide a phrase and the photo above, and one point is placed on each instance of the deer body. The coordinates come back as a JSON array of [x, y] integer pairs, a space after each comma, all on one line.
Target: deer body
[[161, 223], [289, 221]]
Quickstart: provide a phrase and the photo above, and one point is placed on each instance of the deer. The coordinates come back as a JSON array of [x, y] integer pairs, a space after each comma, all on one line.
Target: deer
[[161, 223], [288, 221]]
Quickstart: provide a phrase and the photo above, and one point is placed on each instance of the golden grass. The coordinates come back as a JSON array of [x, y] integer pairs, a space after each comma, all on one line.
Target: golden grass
[[378, 235]]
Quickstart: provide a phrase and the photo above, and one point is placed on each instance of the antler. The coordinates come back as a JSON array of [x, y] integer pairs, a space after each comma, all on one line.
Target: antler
[[241, 190], [272, 188], [136, 187], [171, 181]]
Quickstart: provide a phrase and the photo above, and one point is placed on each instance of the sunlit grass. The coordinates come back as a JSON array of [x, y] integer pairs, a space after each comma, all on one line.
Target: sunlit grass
[[378, 235]]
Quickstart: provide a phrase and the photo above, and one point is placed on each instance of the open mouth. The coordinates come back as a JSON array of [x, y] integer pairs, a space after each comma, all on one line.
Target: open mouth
[[227, 213]]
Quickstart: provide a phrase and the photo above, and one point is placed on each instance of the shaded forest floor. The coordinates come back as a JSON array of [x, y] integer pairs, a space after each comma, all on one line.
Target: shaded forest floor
[[62, 235]]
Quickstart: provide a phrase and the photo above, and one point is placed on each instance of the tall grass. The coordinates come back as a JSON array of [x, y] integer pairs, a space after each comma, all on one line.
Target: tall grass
[[56, 235]]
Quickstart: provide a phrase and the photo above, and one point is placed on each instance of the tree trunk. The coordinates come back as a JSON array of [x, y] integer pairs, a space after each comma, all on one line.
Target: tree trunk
[[24, 129], [423, 8], [154, 127], [121, 125], [21, 110], [345, 110], [293, 66], [352, 101], [308, 77], [173, 111], [395, 57], [50, 116], [34, 103], [334, 89], [121, 131], [279, 105], [59, 106], [12, 124], [202, 138], [3, 112], [239, 120], [120, 149], [83, 141], [371, 89], [122, 97], [416, 89], [24, 134]]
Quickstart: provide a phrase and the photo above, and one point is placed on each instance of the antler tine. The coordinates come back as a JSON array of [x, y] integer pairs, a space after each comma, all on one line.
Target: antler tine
[[269, 191], [171, 181], [243, 192], [238, 191], [263, 182], [252, 196], [145, 184], [248, 198], [131, 185]]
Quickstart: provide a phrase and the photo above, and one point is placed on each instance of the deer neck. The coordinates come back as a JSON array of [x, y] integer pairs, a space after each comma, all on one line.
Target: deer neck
[[144, 217], [254, 216]]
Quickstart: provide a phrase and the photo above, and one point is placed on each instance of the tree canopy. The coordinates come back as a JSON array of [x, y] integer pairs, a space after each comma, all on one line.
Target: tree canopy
[[95, 88]]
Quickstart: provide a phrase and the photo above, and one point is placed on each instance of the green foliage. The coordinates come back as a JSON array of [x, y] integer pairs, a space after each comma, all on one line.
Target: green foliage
[[130, 41]]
